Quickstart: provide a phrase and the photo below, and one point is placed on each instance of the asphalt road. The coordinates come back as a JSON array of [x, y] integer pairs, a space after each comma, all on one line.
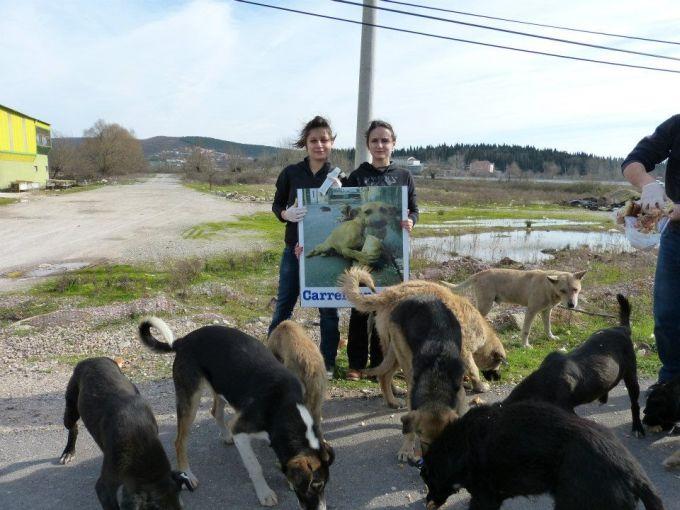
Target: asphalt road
[[364, 433]]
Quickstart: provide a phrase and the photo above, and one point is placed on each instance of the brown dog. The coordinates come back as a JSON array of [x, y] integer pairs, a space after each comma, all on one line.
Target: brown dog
[[481, 347], [538, 290], [291, 345]]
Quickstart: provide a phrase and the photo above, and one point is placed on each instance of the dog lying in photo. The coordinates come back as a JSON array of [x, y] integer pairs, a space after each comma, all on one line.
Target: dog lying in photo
[[481, 347], [538, 290], [360, 238], [268, 400], [589, 372], [436, 394], [291, 345], [529, 448], [662, 410], [135, 472]]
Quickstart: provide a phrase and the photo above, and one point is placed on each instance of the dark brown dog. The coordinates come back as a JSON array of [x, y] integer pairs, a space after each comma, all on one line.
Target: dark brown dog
[[662, 411]]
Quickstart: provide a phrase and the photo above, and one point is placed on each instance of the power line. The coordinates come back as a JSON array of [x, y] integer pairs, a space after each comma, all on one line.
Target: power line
[[436, 36], [509, 20], [507, 31]]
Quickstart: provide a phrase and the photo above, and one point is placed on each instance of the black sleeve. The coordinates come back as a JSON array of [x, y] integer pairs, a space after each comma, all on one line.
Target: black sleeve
[[653, 149], [412, 202], [281, 194], [351, 181]]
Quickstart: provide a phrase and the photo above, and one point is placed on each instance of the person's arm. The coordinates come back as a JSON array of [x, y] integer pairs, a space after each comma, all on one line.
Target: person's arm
[[412, 202], [281, 195]]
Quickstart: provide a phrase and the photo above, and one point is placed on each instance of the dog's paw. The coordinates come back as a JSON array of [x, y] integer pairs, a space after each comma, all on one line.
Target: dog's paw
[[396, 404], [403, 456], [401, 392], [655, 429], [553, 337], [66, 458], [672, 462], [639, 431], [527, 345], [267, 496], [192, 480]]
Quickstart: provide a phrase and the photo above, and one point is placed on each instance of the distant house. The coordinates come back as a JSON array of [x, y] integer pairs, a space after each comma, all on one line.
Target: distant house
[[412, 164], [480, 167], [24, 145]]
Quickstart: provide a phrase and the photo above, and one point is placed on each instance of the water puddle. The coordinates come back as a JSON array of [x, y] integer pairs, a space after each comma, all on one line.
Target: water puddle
[[508, 223], [53, 269], [520, 245]]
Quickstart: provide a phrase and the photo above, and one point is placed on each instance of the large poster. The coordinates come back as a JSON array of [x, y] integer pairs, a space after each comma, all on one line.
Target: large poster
[[351, 226]]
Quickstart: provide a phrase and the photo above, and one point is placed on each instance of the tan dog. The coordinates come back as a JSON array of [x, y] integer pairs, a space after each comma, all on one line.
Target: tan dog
[[481, 346], [538, 290], [359, 238], [291, 345]]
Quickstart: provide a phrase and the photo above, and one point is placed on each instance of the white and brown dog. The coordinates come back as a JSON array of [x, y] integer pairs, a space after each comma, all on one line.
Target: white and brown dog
[[268, 400]]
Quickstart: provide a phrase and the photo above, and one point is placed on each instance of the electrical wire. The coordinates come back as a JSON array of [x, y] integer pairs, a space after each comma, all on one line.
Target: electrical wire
[[507, 31], [436, 36], [509, 20]]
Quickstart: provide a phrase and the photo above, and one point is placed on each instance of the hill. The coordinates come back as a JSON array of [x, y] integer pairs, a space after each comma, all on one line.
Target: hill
[[158, 144]]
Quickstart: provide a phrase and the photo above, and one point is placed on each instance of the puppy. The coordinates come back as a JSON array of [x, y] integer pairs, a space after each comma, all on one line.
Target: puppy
[[291, 345], [481, 347], [662, 410], [360, 238], [436, 394], [589, 372], [538, 290], [530, 448], [123, 425], [267, 398]]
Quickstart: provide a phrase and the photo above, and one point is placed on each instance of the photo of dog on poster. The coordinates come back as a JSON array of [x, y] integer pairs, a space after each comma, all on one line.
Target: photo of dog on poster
[[346, 227]]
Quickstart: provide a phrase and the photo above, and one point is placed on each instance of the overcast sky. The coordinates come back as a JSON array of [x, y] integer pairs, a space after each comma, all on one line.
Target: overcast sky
[[248, 74]]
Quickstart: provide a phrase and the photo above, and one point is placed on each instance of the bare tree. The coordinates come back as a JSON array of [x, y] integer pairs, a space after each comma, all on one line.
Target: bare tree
[[65, 158], [110, 149], [199, 165]]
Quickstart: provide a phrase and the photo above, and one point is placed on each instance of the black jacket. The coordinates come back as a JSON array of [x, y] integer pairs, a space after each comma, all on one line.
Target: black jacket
[[368, 175], [653, 149], [292, 178]]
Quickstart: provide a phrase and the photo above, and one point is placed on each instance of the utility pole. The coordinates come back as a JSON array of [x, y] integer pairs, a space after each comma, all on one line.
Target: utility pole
[[365, 103]]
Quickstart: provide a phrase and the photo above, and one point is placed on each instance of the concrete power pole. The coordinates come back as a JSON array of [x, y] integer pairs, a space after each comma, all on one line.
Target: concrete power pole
[[365, 103]]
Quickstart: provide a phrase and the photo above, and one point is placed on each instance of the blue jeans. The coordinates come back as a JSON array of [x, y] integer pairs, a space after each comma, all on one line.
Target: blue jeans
[[667, 302], [289, 290]]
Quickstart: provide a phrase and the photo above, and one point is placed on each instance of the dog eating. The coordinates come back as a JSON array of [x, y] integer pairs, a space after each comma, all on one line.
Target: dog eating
[[268, 400], [135, 472], [538, 290], [589, 372], [662, 410], [529, 448]]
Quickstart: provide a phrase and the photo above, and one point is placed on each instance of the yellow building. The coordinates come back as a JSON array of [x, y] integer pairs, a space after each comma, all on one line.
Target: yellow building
[[24, 145]]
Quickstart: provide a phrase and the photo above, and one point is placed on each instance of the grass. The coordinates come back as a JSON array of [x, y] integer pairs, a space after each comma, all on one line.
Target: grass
[[75, 189], [264, 224], [8, 201], [260, 191]]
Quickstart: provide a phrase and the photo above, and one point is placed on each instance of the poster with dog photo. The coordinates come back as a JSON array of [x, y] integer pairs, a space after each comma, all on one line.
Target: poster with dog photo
[[351, 226]]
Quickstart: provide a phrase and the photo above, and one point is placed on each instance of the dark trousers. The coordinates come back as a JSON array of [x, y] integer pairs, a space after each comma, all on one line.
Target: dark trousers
[[358, 342], [667, 302], [289, 290]]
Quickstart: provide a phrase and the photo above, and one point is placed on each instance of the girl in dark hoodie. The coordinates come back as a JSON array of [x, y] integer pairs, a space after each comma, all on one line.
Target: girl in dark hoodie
[[380, 139]]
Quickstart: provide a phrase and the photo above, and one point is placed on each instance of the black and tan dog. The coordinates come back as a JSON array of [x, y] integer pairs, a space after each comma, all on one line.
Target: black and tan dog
[[136, 472], [662, 410], [436, 396], [268, 400], [529, 448], [589, 372]]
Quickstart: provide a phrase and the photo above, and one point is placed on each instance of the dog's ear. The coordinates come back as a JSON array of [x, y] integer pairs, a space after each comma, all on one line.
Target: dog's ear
[[299, 473], [182, 480], [553, 279], [579, 274], [327, 453], [407, 422]]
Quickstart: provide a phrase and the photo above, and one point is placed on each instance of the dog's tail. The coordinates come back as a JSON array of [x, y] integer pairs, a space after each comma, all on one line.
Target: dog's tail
[[457, 288], [649, 497], [150, 341], [624, 310], [351, 281]]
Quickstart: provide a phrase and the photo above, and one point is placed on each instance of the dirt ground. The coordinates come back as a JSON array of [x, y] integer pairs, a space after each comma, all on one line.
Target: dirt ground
[[123, 223]]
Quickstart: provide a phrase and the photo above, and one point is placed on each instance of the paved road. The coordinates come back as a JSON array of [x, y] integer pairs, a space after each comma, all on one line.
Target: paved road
[[365, 434], [137, 222]]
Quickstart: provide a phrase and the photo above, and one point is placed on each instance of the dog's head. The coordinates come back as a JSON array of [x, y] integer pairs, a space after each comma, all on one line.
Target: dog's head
[[377, 215], [663, 405], [491, 355], [427, 424], [163, 494], [567, 286], [442, 472], [308, 474]]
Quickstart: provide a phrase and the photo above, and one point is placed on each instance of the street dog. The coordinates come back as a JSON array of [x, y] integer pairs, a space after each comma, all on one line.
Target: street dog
[[360, 238], [136, 472], [291, 345], [529, 448], [436, 394], [662, 410], [268, 400], [589, 372], [538, 290], [481, 347]]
